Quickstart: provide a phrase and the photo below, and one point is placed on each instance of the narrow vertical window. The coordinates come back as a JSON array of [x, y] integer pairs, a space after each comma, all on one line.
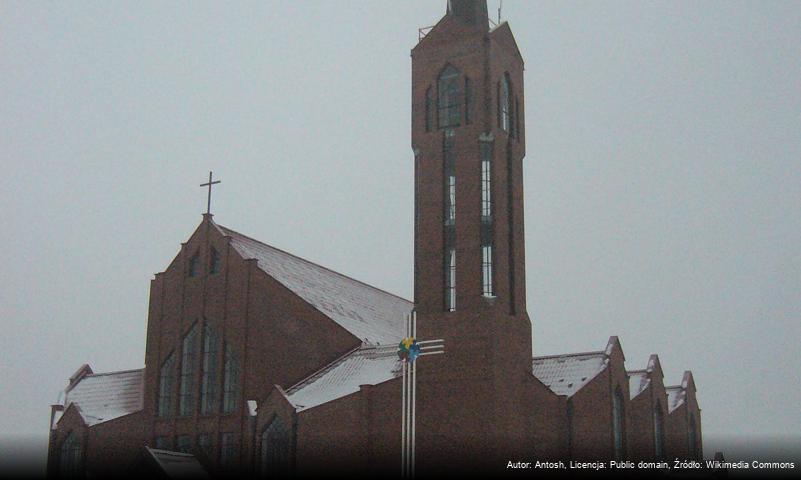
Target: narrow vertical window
[[486, 270], [186, 401], [204, 445], [71, 456], [486, 181], [230, 381], [214, 261], [194, 266], [184, 443], [487, 234], [659, 435], [274, 450], [504, 104], [450, 279], [449, 168], [517, 119], [166, 383], [468, 101], [429, 120], [227, 449], [208, 384], [449, 98], [692, 438], [617, 423]]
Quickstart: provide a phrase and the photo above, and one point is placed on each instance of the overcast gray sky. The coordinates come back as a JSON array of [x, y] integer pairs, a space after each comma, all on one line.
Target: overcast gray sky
[[663, 184]]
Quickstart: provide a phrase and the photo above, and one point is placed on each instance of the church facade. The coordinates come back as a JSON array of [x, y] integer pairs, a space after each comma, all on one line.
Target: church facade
[[263, 363]]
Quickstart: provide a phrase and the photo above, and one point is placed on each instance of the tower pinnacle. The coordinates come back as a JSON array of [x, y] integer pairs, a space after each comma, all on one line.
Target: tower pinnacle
[[472, 12]]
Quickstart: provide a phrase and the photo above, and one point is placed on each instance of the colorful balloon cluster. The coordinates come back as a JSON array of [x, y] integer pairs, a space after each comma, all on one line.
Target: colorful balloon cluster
[[408, 350]]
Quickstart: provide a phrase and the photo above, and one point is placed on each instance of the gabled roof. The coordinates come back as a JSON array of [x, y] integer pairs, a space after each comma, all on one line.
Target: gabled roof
[[638, 382], [675, 396], [567, 374], [370, 314], [363, 366], [100, 397]]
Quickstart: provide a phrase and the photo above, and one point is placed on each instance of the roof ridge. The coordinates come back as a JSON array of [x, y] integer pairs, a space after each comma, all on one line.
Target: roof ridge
[[114, 373], [226, 229], [322, 370], [565, 355], [642, 370]]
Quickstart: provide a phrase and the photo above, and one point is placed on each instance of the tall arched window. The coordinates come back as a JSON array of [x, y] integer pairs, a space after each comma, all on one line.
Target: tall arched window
[[617, 423], [230, 380], [186, 402], [429, 120], [214, 261], [274, 454], [71, 457], [449, 98], [659, 432], [166, 385], [208, 384], [692, 438], [504, 106]]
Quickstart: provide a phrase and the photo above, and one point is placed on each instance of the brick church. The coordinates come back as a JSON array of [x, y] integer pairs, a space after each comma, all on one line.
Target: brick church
[[263, 363]]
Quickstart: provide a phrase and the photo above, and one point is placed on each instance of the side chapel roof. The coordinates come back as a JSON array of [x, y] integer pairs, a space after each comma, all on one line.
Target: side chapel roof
[[100, 397], [366, 365]]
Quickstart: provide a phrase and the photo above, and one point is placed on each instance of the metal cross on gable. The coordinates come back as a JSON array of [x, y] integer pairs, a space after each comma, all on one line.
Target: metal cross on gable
[[208, 200]]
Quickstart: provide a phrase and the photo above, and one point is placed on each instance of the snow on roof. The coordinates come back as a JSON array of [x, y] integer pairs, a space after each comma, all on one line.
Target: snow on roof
[[638, 382], [176, 464], [101, 397], [363, 366], [370, 314], [567, 374], [675, 397]]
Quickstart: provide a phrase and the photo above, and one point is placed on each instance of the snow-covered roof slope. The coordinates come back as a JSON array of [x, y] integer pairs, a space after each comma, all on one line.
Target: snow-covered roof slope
[[638, 382], [675, 397], [101, 397], [176, 464], [370, 314], [567, 374], [363, 366]]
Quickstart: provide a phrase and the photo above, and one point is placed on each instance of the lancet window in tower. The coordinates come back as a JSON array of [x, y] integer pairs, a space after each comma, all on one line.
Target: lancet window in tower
[[487, 240], [429, 120], [449, 98], [468, 101], [166, 382], [503, 105], [230, 380], [692, 438], [450, 279], [449, 167], [186, 402], [449, 223], [208, 383]]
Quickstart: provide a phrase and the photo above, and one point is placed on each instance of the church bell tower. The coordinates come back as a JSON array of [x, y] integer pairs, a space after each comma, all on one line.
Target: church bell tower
[[468, 138]]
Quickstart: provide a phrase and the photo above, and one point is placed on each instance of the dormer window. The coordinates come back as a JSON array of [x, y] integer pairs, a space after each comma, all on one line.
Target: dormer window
[[194, 266], [449, 98]]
